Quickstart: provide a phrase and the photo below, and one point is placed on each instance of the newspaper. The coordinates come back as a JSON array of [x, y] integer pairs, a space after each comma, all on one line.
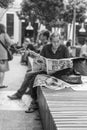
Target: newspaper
[[53, 65], [41, 63], [37, 61], [50, 82], [38, 65]]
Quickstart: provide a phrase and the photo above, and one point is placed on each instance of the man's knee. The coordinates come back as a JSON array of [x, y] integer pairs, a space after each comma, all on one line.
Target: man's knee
[[28, 74]]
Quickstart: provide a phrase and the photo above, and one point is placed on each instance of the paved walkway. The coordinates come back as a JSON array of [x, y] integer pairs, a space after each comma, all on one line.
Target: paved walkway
[[12, 115]]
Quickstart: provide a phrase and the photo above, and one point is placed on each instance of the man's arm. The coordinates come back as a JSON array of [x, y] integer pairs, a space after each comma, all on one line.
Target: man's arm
[[43, 51], [38, 58]]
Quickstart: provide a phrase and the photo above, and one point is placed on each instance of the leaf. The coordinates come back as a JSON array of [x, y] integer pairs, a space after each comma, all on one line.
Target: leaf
[[5, 3]]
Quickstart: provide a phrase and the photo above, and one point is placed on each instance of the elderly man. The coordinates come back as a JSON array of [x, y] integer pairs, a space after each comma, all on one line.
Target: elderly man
[[54, 50]]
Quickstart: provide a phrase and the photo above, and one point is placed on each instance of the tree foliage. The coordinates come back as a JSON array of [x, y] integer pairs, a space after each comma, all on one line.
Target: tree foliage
[[5, 3], [48, 11], [81, 7], [51, 11]]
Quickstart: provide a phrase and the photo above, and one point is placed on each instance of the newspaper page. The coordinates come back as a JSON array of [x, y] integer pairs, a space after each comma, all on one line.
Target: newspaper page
[[50, 82], [38, 65], [38, 62], [41, 63], [53, 65]]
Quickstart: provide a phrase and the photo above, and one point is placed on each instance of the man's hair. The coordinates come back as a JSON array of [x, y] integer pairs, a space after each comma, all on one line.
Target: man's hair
[[53, 35], [46, 34]]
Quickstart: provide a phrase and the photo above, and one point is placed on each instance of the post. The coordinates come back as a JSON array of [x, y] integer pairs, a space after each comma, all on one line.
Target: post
[[74, 26]]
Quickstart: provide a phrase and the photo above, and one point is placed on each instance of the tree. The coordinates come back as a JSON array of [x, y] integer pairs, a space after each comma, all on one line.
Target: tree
[[5, 3], [48, 11], [81, 7]]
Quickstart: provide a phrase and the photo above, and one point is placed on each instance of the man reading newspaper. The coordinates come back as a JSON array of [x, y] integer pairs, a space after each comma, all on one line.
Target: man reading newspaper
[[54, 50]]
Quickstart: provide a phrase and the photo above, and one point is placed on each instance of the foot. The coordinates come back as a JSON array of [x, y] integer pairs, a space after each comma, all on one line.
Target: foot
[[3, 86], [34, 102], [14, 97], [32, 108]]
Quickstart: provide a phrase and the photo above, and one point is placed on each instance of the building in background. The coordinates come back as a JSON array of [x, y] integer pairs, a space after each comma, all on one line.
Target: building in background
[[10, 19]]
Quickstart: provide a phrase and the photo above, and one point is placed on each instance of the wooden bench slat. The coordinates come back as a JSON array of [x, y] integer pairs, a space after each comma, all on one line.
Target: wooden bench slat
[[63, 110], [73, 128]]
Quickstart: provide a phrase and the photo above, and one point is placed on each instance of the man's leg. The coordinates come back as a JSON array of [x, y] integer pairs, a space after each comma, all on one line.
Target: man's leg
[[33, 92], [26, 83]]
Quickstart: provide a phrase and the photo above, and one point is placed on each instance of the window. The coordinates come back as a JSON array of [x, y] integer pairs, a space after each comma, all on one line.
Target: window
[[10, 24]]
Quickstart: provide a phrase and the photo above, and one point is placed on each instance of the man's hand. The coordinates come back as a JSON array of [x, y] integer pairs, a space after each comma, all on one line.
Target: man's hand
[[40, 62], [32, 53], [84, 55], [41, 59]]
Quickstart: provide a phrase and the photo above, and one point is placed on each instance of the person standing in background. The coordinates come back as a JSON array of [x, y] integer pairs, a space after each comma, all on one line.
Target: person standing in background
[[4, 66], [83, 52], [68, 45]]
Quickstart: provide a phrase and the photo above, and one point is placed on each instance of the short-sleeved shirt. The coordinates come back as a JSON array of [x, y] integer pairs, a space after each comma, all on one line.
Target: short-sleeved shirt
[[62, 52]]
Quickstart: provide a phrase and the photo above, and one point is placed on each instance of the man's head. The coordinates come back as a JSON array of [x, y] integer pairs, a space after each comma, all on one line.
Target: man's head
[[26, 42], [44, 36], [55, 40]]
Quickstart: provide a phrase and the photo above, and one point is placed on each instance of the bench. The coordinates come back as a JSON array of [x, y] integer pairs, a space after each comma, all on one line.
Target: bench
[[65, 109]]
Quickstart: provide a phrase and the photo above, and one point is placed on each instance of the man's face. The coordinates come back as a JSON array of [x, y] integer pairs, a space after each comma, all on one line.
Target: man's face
[[55, 42], [26, 42], [42, 38]]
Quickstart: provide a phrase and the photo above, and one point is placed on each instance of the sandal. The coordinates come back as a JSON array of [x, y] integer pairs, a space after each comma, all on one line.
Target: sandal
[[32, 108]]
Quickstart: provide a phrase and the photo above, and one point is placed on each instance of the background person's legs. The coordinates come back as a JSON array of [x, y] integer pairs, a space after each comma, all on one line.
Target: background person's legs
[[2, 75]]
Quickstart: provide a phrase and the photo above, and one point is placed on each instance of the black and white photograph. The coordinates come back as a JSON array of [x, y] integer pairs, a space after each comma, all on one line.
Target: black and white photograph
[[43, 64]]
